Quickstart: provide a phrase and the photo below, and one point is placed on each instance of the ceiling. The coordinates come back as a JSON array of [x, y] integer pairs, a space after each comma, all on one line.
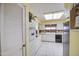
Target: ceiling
[[38, 9]]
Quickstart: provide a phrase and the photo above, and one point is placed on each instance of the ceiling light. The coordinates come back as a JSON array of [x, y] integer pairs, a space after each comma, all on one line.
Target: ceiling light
[[57, 15], [51, 16], [48, 16]]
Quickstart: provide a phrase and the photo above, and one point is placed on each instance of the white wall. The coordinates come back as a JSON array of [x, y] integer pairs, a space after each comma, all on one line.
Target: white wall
[[66, 44], [66, 37], [34, 41]]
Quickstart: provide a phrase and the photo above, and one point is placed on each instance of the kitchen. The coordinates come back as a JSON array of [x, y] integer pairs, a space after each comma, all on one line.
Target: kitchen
[[49, 37]]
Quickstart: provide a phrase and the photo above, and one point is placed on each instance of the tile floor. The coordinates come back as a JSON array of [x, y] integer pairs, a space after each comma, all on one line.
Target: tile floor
[[50, 49]]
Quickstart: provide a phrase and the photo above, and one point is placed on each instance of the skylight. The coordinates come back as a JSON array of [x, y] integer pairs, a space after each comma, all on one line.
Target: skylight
[[51, 16]]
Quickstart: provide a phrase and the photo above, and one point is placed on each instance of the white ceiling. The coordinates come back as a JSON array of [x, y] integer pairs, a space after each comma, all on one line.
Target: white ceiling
[[40, 8]]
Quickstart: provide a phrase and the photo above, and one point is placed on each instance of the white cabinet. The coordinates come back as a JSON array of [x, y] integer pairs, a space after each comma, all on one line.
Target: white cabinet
[[43, 37], [60, 26], [48, 37]]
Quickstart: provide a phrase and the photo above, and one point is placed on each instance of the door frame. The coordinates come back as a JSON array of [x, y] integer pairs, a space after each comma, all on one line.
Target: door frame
[[23, 26], [23, 29]]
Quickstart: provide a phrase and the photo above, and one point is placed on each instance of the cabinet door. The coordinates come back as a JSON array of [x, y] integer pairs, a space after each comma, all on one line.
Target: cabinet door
[[43, 37], [50, 37]]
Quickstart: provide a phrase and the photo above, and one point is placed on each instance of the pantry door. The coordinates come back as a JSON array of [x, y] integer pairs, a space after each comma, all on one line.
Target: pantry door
[[12, 30]]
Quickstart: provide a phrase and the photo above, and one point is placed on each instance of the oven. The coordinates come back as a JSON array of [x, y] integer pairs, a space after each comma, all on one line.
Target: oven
[[58, 38]]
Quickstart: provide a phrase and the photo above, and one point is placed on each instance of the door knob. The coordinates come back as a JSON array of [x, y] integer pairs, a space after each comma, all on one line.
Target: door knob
[[24, 45]]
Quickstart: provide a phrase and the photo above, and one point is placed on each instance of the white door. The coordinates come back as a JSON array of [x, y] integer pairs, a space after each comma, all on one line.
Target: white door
[[11, 30]]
